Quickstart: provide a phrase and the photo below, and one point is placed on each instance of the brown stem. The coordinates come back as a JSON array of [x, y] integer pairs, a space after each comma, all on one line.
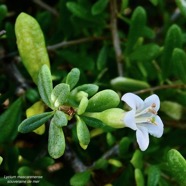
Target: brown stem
[[161, 87], [73, 159], [46, 7], [176, 124], [73, 42], [115, 36]]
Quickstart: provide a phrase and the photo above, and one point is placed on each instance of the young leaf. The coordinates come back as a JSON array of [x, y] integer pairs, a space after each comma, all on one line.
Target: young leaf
[[45, 84], [56, 141], [80, 178], [173, 40], [34, 122], [59, 119], [31, 44], [9, 121], [103, 100], [82, 133], [179, 62], [177, 166], [124, 145], [1, 160], [73, 77], [99, 6], [139, 177], [90, 89], [137, 159], [60, 94], [82, 106], [128, 84]]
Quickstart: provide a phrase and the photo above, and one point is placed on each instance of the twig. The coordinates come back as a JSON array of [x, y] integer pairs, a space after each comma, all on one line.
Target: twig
[[47, 7], [74, 42], [73, 159], [161, 87], [111, 152], [115, 36], [176, 124]]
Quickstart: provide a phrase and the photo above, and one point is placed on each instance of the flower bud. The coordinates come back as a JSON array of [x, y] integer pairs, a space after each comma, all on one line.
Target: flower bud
[[112, 117]]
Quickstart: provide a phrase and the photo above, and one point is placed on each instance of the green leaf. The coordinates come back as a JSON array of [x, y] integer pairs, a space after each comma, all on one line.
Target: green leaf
[[3, 12], [153, 176], [82, 133], [154, 2], [80, 179], [59, 119], [128, 84], [115, 162], [99, 6], [124, 146], [102, 58], [12, 159], [79, 59], [177, 166], [56, 141], [90, 89], [73, 77], [34, 122], [45, 84], [145, 52], [77, 9], [110, 139], [103, 100], [137, 159], [9, 121], [179, 62], [93, 122], [173, 40], [139, 177], [31, 44], [101, 164], [182, 6], [82, 106], [25, 171], [60, 94], [44, 162], [137, 25], [1, 160], [172, 109]]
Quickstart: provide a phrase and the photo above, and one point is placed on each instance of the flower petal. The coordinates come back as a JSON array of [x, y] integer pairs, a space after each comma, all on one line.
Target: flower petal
[[152, 99], [129, 120], [156, 129], [134, 101], [142, 138]]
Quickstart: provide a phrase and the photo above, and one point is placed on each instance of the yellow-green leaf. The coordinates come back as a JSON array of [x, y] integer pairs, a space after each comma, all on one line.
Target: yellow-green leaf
[[31, 44]]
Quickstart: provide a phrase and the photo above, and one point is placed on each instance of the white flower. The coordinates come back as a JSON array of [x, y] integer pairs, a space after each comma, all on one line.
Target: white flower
[[143, 118]]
